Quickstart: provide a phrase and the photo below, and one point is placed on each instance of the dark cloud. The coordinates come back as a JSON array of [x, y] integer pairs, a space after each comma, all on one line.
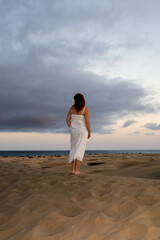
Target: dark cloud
[[45, 48], [152, 126], [37, 98], [128, 123]]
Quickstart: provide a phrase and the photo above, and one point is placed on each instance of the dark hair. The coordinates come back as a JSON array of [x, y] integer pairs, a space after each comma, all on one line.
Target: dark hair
[[79, 101]]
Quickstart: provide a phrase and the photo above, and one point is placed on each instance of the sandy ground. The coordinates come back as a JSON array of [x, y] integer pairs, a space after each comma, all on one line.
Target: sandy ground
[[118, 198]]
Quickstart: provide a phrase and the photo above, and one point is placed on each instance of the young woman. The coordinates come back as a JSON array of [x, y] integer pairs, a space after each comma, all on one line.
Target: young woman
[[79, 123]]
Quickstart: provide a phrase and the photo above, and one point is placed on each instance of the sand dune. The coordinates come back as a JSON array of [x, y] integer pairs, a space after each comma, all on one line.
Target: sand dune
[[117, 199]]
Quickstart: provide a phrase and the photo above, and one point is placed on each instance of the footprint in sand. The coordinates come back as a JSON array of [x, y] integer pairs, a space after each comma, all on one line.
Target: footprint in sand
[[106, 198], [2, 219], [70, 210], [99, 192], [6, 211], [106, 185], [14, 198], [118, 211], [153, 234], [152, 216], [131, 232], [82, 195], [71, 188], [52, 182], [9, 232], [146, 200], [123, 191], [3, 186], [135, 231], [50, 225]]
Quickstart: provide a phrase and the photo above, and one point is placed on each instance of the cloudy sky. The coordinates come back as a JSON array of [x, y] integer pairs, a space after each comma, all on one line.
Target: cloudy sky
[[107, 50]]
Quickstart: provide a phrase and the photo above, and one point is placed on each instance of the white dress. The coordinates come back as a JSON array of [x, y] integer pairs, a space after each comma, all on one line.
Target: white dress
[[78, 138]]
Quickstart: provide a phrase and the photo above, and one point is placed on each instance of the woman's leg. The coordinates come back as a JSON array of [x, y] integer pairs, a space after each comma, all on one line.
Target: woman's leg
[[73, 166], [78, 163]]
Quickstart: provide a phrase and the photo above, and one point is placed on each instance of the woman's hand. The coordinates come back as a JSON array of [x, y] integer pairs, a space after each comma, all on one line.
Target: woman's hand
[[89, 135]]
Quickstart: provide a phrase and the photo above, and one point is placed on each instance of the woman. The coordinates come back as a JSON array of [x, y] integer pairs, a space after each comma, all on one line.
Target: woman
[[79, 123]]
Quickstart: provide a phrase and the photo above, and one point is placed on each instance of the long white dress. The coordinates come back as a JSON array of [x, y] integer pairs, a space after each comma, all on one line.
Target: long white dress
[[78, 138]]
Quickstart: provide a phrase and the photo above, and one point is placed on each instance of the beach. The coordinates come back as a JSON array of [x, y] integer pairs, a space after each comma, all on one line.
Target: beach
[[118, 198]]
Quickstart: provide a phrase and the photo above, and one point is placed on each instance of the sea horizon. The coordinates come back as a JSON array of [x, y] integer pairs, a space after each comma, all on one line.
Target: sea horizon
[[22, 153]]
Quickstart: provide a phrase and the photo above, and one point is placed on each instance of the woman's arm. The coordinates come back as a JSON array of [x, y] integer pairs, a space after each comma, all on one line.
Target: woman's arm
[[68, 118], [87, 119]]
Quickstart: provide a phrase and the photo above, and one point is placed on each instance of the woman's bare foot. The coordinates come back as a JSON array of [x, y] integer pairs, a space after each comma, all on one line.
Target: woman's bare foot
[[79, 173]]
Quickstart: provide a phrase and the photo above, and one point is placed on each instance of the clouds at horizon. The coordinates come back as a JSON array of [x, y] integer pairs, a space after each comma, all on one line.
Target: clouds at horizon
[[47, 49], [152, 126]]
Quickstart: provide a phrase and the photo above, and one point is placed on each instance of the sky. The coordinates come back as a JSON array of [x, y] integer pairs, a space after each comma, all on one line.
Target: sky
[[108, 50]]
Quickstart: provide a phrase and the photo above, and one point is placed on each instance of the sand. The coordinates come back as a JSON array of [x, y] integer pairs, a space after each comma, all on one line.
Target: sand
[[118, 198]]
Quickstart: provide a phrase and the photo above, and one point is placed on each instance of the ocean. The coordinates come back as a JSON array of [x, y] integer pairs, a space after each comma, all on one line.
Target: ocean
[[66, 152]]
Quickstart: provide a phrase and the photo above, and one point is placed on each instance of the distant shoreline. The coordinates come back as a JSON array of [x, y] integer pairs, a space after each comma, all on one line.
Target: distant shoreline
[[33, 153]]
